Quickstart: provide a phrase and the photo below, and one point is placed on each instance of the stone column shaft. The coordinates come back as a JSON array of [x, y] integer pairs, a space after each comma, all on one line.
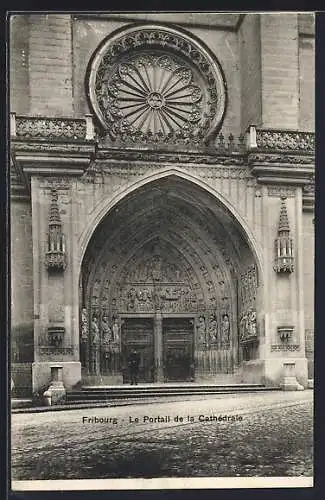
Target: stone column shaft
[[158, 346]]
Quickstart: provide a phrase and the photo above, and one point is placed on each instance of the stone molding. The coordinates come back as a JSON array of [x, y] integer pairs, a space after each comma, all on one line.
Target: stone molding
[[55, 353], [221, 145], [285, 347], [28, 146], [58, 183], [281, 169], [51, 146], [281, 156], [19, 187], [280, 191], [308, 195], [284, 158], [167, 157]]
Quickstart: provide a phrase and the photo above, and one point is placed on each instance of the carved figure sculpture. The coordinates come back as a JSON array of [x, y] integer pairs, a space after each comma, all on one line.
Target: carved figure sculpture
[[95, 345], [225, 328], [252, 323], [84, 325], [201, 329], [116, 330], [156, 268], [243, 326], [213, 328], [94, 331], [106, 331], [247, 324], [106, 339], [132, 295]]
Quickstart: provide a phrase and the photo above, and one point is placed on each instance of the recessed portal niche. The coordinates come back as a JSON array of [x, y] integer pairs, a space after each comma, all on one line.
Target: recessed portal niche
[[170, 258]]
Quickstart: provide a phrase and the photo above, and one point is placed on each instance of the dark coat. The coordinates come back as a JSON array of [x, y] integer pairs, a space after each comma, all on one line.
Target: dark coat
[[134, 361]]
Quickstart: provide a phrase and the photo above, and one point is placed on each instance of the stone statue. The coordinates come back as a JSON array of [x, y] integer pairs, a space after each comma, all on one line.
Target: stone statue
[[107, 337], [247, 324], [243, 326], [132, 295], [94, 345], [143, 295], [201, 328], [213, 328], [156, 267], [157, 298], [116, 330], [84, 325], [106, 331], [225, 328], [252, 323], [94, 331]]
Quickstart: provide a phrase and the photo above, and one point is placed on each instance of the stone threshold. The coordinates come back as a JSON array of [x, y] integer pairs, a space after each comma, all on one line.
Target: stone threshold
[[129, 402]]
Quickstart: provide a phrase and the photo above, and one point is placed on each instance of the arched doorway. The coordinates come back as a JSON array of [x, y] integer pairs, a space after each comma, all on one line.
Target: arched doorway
[[168, 272]]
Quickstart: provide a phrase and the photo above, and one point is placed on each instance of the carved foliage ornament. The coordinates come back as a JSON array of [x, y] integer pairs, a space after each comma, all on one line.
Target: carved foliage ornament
[[156, 84], [50, 128], [286, 140]]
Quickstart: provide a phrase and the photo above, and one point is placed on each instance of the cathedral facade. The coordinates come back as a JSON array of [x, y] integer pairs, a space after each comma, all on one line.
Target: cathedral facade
[[162, 197]]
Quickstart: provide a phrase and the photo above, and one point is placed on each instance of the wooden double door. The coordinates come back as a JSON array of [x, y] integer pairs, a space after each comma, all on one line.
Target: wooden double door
[[176, 337], [178, 349], [138, 335]]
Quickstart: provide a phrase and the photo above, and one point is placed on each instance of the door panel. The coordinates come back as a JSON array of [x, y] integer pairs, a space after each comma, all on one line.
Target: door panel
[[178, 349], [137, 333]]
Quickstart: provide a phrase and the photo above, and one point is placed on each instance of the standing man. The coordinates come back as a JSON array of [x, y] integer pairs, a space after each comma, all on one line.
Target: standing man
[[133, 363]]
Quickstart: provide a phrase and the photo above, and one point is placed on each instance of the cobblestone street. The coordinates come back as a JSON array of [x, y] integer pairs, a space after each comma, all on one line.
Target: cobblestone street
[[261, 434]]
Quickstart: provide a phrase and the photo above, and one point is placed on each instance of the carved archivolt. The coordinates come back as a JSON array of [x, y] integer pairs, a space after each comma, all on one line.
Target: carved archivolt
[[153, 83], [163, 253]]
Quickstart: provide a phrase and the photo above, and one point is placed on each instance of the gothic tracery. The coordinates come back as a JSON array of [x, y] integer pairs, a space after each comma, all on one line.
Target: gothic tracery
[[156, 84]]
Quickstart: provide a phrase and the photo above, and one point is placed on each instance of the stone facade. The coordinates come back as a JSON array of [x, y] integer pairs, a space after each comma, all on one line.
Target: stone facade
[[163, 186]]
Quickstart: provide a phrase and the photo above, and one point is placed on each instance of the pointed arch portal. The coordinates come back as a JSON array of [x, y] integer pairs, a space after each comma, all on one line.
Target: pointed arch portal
[[168, 272]]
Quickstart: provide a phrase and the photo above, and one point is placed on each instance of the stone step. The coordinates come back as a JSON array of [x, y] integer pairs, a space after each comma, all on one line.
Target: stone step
[[21, 403], [169, 386], [94, 394]]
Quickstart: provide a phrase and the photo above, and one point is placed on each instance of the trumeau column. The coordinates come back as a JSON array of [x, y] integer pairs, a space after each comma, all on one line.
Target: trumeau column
[[158, 346]]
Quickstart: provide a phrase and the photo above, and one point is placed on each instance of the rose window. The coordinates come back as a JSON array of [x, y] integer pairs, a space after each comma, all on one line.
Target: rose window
[[142, 93], [152, 96]]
